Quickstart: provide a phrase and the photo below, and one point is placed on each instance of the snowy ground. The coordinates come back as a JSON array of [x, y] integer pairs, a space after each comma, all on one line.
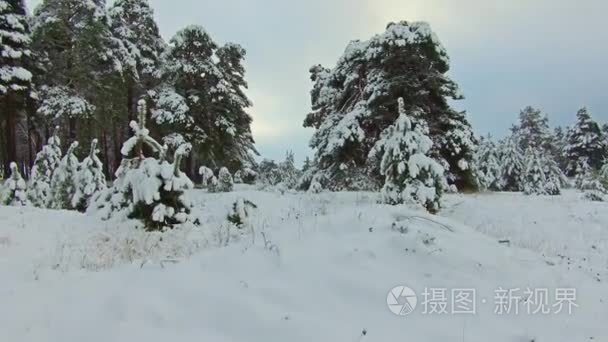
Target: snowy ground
[[310, 268]]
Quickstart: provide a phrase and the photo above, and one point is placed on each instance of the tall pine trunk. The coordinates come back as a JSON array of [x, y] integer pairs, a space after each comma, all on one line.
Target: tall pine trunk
[[10, 132], [130, 103], [117, 140]]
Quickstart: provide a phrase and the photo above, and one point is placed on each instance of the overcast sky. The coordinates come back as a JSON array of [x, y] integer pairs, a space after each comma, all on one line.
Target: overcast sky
[[505, 54]]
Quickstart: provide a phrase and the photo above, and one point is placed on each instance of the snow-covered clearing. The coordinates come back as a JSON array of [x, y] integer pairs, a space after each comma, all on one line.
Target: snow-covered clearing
[[310, 268]]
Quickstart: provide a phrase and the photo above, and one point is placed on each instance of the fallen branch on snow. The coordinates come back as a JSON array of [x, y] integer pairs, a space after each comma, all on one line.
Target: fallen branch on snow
[[414, 217]]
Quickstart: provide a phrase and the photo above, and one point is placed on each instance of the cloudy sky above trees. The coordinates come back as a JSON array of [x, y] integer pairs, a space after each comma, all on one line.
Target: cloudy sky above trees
[[505, 54]]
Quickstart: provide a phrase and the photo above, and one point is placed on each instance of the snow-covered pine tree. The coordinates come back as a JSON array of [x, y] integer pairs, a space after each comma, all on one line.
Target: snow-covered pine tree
[[132, 23], [289, 174], [603, 175], [315, 186], [411, 175], [534, 180], [556, 179], [203, 99], [487, 165], [353, 103], [238, 177], [248, 175], [559, 144], [584, 175], [511, 165], [241, 212], [15, 78], [589, 182], [90, 179], [64, 182], [269, 172], [14, 190], [533, 130], [41, 176], [146, 188], [225, 183], [80, 59], [206, 174], [584, 144], [307, 164], [236, 146]]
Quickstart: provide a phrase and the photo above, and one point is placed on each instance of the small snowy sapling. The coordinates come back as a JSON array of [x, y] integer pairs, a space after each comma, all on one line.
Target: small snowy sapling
[[89, 180], [14, 189], [63, 184], [47, 160], [148, 189], [241, 212]]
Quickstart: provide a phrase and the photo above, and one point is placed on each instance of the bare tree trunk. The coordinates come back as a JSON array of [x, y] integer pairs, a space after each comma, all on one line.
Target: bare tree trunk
[[130, 103], [108, 170], [10, 132], [117, 143], [71, 130]]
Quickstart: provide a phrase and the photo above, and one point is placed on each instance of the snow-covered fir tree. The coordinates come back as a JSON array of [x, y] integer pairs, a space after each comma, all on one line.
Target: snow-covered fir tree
[[132, 23], [534, 180], [269, 172], [64, 182], [14, 50], [288, 172], [223, 183], [585, 143], [238, 177], [15, 76], [81, 64], [14, 190], [241, 212], [206, 174], [603, 175], [584, 175], [590, 182], [307, 164], [411, 175], [556, 179], [315, 186], [353, 103], [149, 189], [90, 179], [559, 143], [41, 176], [487, 165], [512, 165], [203, 98], [533, 130], [248, 175]]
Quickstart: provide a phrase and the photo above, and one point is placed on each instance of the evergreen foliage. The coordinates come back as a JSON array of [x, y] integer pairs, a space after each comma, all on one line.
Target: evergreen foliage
[[488, 165], [585, 144], [512, 165], [64, 181], [533, 130], [534, 179], [14, 190], [202, 97], [411, 175], [223, 183], [149, 189], [241, 212], [356, 101], [90, 179], [15, 74], [41, 176]]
